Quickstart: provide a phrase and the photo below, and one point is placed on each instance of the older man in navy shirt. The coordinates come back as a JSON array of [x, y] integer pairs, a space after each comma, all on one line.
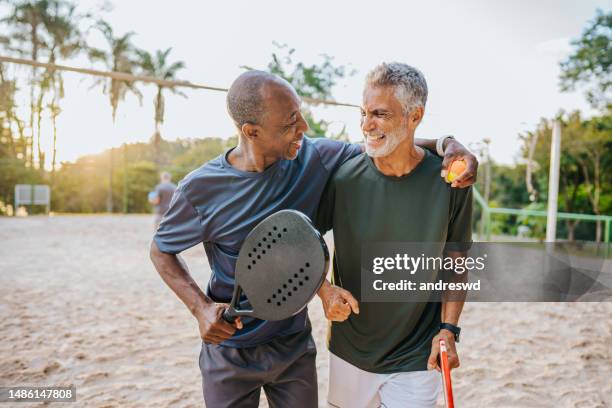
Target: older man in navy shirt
[[274, 167]]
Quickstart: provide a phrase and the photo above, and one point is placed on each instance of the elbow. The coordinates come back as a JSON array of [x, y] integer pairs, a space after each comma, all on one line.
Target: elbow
[[154, 253]]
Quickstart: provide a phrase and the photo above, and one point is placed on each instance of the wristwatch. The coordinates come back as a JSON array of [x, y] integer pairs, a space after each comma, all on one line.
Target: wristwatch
[[440, 144], [451, 328]]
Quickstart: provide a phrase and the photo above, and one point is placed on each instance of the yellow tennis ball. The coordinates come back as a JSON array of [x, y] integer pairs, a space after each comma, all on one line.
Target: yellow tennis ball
[[456, 169]]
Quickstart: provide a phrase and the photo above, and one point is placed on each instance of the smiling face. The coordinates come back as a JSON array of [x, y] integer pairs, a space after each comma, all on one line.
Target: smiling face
[[282, 129], [383, 121]]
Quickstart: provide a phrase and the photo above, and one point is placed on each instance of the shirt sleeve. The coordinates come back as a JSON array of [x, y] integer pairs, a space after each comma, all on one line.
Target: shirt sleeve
[[181, 227], [459, 236], [324, 219], [334, 153]]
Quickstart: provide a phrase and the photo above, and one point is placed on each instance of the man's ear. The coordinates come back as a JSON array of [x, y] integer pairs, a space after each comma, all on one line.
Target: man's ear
[[250, 130], [415, 117]]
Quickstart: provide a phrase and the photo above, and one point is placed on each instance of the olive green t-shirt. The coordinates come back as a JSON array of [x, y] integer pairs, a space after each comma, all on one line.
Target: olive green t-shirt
[[362, 205]]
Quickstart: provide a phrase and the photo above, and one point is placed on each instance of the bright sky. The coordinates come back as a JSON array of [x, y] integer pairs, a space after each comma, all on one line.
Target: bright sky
[[491, 66]]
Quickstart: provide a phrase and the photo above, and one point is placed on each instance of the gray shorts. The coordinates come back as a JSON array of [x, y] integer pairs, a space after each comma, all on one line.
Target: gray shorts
[[285, 368]]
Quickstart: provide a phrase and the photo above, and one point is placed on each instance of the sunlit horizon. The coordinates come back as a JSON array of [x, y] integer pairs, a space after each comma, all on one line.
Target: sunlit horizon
[[481, 86]]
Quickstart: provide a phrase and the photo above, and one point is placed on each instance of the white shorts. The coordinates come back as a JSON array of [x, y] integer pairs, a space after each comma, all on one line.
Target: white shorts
[[352, 387]]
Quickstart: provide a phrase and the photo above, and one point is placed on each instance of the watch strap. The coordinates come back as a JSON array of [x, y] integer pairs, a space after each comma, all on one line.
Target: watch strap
[[440, 144], [451, 328]]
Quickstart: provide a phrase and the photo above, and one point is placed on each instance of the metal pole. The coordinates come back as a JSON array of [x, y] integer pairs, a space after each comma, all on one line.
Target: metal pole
[[488, 228], [122, 76], [607, 238], [553, 182], [125, 180], [15, 203]]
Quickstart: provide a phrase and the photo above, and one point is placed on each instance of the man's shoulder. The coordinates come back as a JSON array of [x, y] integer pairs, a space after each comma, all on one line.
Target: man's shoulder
[[323, 142], [203, 174], [357, 166], [325, 145], [432, 165], [352, 168]]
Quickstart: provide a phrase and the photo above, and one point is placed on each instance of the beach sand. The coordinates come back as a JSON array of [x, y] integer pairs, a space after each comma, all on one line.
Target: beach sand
[[81, 304]]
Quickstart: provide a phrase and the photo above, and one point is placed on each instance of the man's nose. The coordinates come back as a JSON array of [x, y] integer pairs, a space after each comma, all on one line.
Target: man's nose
[[303, 124], [367, 124]]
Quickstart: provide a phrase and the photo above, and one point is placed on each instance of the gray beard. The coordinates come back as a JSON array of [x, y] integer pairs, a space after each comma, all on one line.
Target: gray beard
[[392, 140]]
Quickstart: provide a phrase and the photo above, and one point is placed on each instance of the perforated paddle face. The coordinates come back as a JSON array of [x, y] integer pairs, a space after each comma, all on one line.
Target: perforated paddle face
[[281, 265]]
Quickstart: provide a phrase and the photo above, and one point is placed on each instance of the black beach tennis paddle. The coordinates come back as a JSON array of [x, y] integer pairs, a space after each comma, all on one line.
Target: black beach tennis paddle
[[280, 267]]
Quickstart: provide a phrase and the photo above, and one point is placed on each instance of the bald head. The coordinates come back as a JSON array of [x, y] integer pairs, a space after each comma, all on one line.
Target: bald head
[[246, 97]]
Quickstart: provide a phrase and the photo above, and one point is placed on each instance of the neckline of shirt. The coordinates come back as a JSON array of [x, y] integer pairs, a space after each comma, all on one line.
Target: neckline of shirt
[[417, 168], [226, 165]]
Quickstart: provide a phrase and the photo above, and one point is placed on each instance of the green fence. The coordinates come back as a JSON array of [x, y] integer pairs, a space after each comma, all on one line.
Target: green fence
[[488, 211]]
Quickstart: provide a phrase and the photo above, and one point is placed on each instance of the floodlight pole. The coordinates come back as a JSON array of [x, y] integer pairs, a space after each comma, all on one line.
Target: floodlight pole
[[553, 182]]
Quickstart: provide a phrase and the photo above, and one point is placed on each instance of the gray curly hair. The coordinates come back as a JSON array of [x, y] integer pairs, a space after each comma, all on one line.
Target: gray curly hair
[[409, 83]]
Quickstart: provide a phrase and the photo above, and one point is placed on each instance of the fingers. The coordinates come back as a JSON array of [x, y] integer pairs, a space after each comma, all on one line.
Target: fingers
[[432, 361], [220, 326], [220, 331], [238, 323], [352, 302], [446, 162], [213, 339], [453, 361], [338, 303], [338, 311], [468, 177]]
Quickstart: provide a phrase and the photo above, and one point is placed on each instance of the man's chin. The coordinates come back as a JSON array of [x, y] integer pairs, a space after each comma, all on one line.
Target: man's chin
[[292, 156], [377, 152]]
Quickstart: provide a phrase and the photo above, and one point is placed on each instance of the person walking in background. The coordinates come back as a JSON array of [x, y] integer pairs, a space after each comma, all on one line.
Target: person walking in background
[[160, 197]]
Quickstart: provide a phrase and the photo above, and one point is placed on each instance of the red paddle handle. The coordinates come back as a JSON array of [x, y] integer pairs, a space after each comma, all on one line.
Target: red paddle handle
[[446, 376]]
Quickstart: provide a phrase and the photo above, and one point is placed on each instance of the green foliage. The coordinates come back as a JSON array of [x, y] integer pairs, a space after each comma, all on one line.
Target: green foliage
[[119, 56], [158, 66], [314, 81], [14, 171], [537, 225], [142, 176], [200, 152], [83, 186], [585, 180], [590, 63]]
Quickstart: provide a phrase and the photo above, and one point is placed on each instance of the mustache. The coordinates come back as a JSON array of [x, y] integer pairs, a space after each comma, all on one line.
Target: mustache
[[376, 133]]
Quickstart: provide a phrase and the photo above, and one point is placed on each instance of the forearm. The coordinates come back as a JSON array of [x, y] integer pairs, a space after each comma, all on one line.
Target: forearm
[[324, 288], [175, 274], [451, 311], [429, 144], [453, 300]]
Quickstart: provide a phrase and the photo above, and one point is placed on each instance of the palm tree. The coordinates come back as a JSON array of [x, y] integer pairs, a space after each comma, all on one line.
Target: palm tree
[[159, 67], [66, 41], [119, 57], [8, 89], [27, 20]]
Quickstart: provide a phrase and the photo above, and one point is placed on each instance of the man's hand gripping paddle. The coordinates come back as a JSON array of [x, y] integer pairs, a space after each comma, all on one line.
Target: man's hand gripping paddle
[[280, 267], [446, 376]]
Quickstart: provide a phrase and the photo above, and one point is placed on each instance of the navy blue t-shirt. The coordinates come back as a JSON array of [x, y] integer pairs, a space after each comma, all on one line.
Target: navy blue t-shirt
[[219, 205]]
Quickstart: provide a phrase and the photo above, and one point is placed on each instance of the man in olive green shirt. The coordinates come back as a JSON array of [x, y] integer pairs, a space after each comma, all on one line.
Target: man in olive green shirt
[[383, 353]]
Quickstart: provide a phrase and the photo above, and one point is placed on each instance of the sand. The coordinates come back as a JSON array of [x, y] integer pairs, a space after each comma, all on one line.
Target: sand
[[81, 304]]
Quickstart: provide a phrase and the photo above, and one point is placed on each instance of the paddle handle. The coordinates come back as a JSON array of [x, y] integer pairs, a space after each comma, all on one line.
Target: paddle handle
[[228, 316], [446, 376]]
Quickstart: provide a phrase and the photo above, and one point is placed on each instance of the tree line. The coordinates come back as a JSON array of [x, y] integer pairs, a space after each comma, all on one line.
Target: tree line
[[117, 179], [52, 31]]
